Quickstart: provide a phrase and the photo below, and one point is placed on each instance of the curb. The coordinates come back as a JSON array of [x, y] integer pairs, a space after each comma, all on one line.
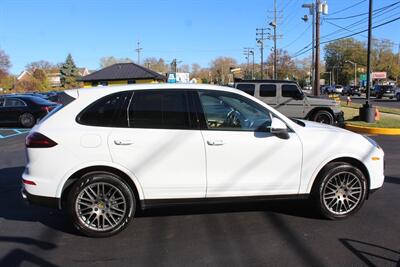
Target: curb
[[371, 130]]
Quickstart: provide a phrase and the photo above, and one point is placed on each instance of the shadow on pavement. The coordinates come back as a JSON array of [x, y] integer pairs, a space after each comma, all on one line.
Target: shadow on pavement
[[17, 209], [298, 208], [368, 252], [392, 180], [18, 256]]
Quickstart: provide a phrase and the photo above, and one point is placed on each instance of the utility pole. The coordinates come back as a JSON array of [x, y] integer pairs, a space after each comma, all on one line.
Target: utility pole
[[247, 52], [138, 50], [274, 37], [260, 38], [311, 8], [252, 70], [317, 43]]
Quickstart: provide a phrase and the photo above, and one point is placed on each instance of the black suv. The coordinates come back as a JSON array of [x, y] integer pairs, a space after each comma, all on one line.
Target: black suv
[[351, 90], [383, 91]]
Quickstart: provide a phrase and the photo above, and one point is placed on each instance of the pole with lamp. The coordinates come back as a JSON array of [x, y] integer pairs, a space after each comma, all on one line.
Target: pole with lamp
[[355, 70]]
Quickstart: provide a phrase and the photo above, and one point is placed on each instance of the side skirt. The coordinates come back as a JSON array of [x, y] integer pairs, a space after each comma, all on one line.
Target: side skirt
[[151, 203]]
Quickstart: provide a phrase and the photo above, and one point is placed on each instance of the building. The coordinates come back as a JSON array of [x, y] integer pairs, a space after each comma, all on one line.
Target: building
[[122, 73]]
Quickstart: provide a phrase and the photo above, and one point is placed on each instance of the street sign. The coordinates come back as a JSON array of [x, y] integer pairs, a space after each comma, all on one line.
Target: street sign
[[379, 75]]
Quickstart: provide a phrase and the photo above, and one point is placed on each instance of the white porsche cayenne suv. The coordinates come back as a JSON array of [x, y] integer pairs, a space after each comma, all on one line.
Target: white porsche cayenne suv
[[114, 150]]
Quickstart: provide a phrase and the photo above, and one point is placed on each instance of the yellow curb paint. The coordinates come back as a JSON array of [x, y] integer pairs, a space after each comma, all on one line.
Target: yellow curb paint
[[371, 130]]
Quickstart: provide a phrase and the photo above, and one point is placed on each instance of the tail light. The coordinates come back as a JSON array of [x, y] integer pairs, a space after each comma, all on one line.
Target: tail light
[[47, 108], [38, 140]]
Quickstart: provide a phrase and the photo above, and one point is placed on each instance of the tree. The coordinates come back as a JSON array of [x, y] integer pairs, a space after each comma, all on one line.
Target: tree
[[195, 68], [108, 61], [5, 64], [41, 64], [184, 68], [285, 65], [336, 54], [157, 65], [221, 69], [69, 73]]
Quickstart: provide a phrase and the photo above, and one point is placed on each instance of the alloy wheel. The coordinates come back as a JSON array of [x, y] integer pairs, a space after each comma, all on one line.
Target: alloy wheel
[[101, 206], [342, 193]]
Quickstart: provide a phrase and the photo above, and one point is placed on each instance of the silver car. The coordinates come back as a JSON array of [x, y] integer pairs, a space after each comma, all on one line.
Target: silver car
[[287, 97]]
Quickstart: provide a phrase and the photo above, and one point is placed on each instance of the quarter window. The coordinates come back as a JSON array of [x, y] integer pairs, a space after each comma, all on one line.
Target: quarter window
[[247, 88], [267, 90], [290, 90], [225, 111], [105, 111], [1, 102], [159, 109]]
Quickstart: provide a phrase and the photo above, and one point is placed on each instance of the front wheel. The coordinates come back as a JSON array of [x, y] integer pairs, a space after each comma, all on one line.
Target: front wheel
[[341, 191], [323, 116], [100, 204]]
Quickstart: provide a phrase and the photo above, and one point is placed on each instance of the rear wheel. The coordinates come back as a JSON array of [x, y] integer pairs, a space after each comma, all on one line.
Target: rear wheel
[[323, 116], [100, 204], [340, 191], [27, 120]]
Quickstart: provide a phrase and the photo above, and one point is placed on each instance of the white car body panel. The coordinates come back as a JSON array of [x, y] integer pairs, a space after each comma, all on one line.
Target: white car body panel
[[260, 171], [198, 170]]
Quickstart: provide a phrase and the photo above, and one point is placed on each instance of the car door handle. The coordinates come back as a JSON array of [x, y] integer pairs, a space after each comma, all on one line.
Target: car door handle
[[215, 143], [123, 142]]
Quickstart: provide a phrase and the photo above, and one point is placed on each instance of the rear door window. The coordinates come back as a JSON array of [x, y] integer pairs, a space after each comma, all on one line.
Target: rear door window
[[14, 102], [247, 88], [268, 90], [159, 109]]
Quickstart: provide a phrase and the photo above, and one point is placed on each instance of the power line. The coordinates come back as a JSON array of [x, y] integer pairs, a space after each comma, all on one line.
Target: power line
[[365, 13], [298, 37], [379, 12], [347, 8], [347, 36]]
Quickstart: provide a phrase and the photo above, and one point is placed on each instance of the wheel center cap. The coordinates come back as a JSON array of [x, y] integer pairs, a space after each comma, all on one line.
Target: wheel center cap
[[101, 205]]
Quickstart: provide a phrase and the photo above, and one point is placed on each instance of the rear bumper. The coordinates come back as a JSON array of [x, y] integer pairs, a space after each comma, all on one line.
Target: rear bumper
[[51, 202]]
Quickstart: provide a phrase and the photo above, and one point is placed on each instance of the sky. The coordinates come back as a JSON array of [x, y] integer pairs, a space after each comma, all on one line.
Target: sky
[[192, 31]]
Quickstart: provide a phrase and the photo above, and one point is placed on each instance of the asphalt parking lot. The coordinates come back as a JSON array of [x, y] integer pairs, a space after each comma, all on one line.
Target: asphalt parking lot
[[257, 234]]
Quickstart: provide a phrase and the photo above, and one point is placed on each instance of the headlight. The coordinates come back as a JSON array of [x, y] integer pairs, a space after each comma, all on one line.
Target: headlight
[[372, 141]]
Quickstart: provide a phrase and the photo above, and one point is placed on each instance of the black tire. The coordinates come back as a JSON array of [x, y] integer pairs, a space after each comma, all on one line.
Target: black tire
[[323, 116], [99, 207], [27, 120], [323, 194]]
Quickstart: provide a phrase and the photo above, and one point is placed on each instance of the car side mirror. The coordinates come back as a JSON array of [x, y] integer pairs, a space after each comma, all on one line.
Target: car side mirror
[[279, 128]]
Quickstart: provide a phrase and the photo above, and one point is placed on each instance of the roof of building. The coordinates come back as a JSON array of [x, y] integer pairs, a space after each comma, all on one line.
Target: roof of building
[[123, 71]]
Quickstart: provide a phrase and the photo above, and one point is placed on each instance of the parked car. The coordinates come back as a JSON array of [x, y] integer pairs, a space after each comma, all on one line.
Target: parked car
[[398, 94], [287, 98], [117, 150], [334, 89], [380, 91], [351, 90], [23, 110]]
